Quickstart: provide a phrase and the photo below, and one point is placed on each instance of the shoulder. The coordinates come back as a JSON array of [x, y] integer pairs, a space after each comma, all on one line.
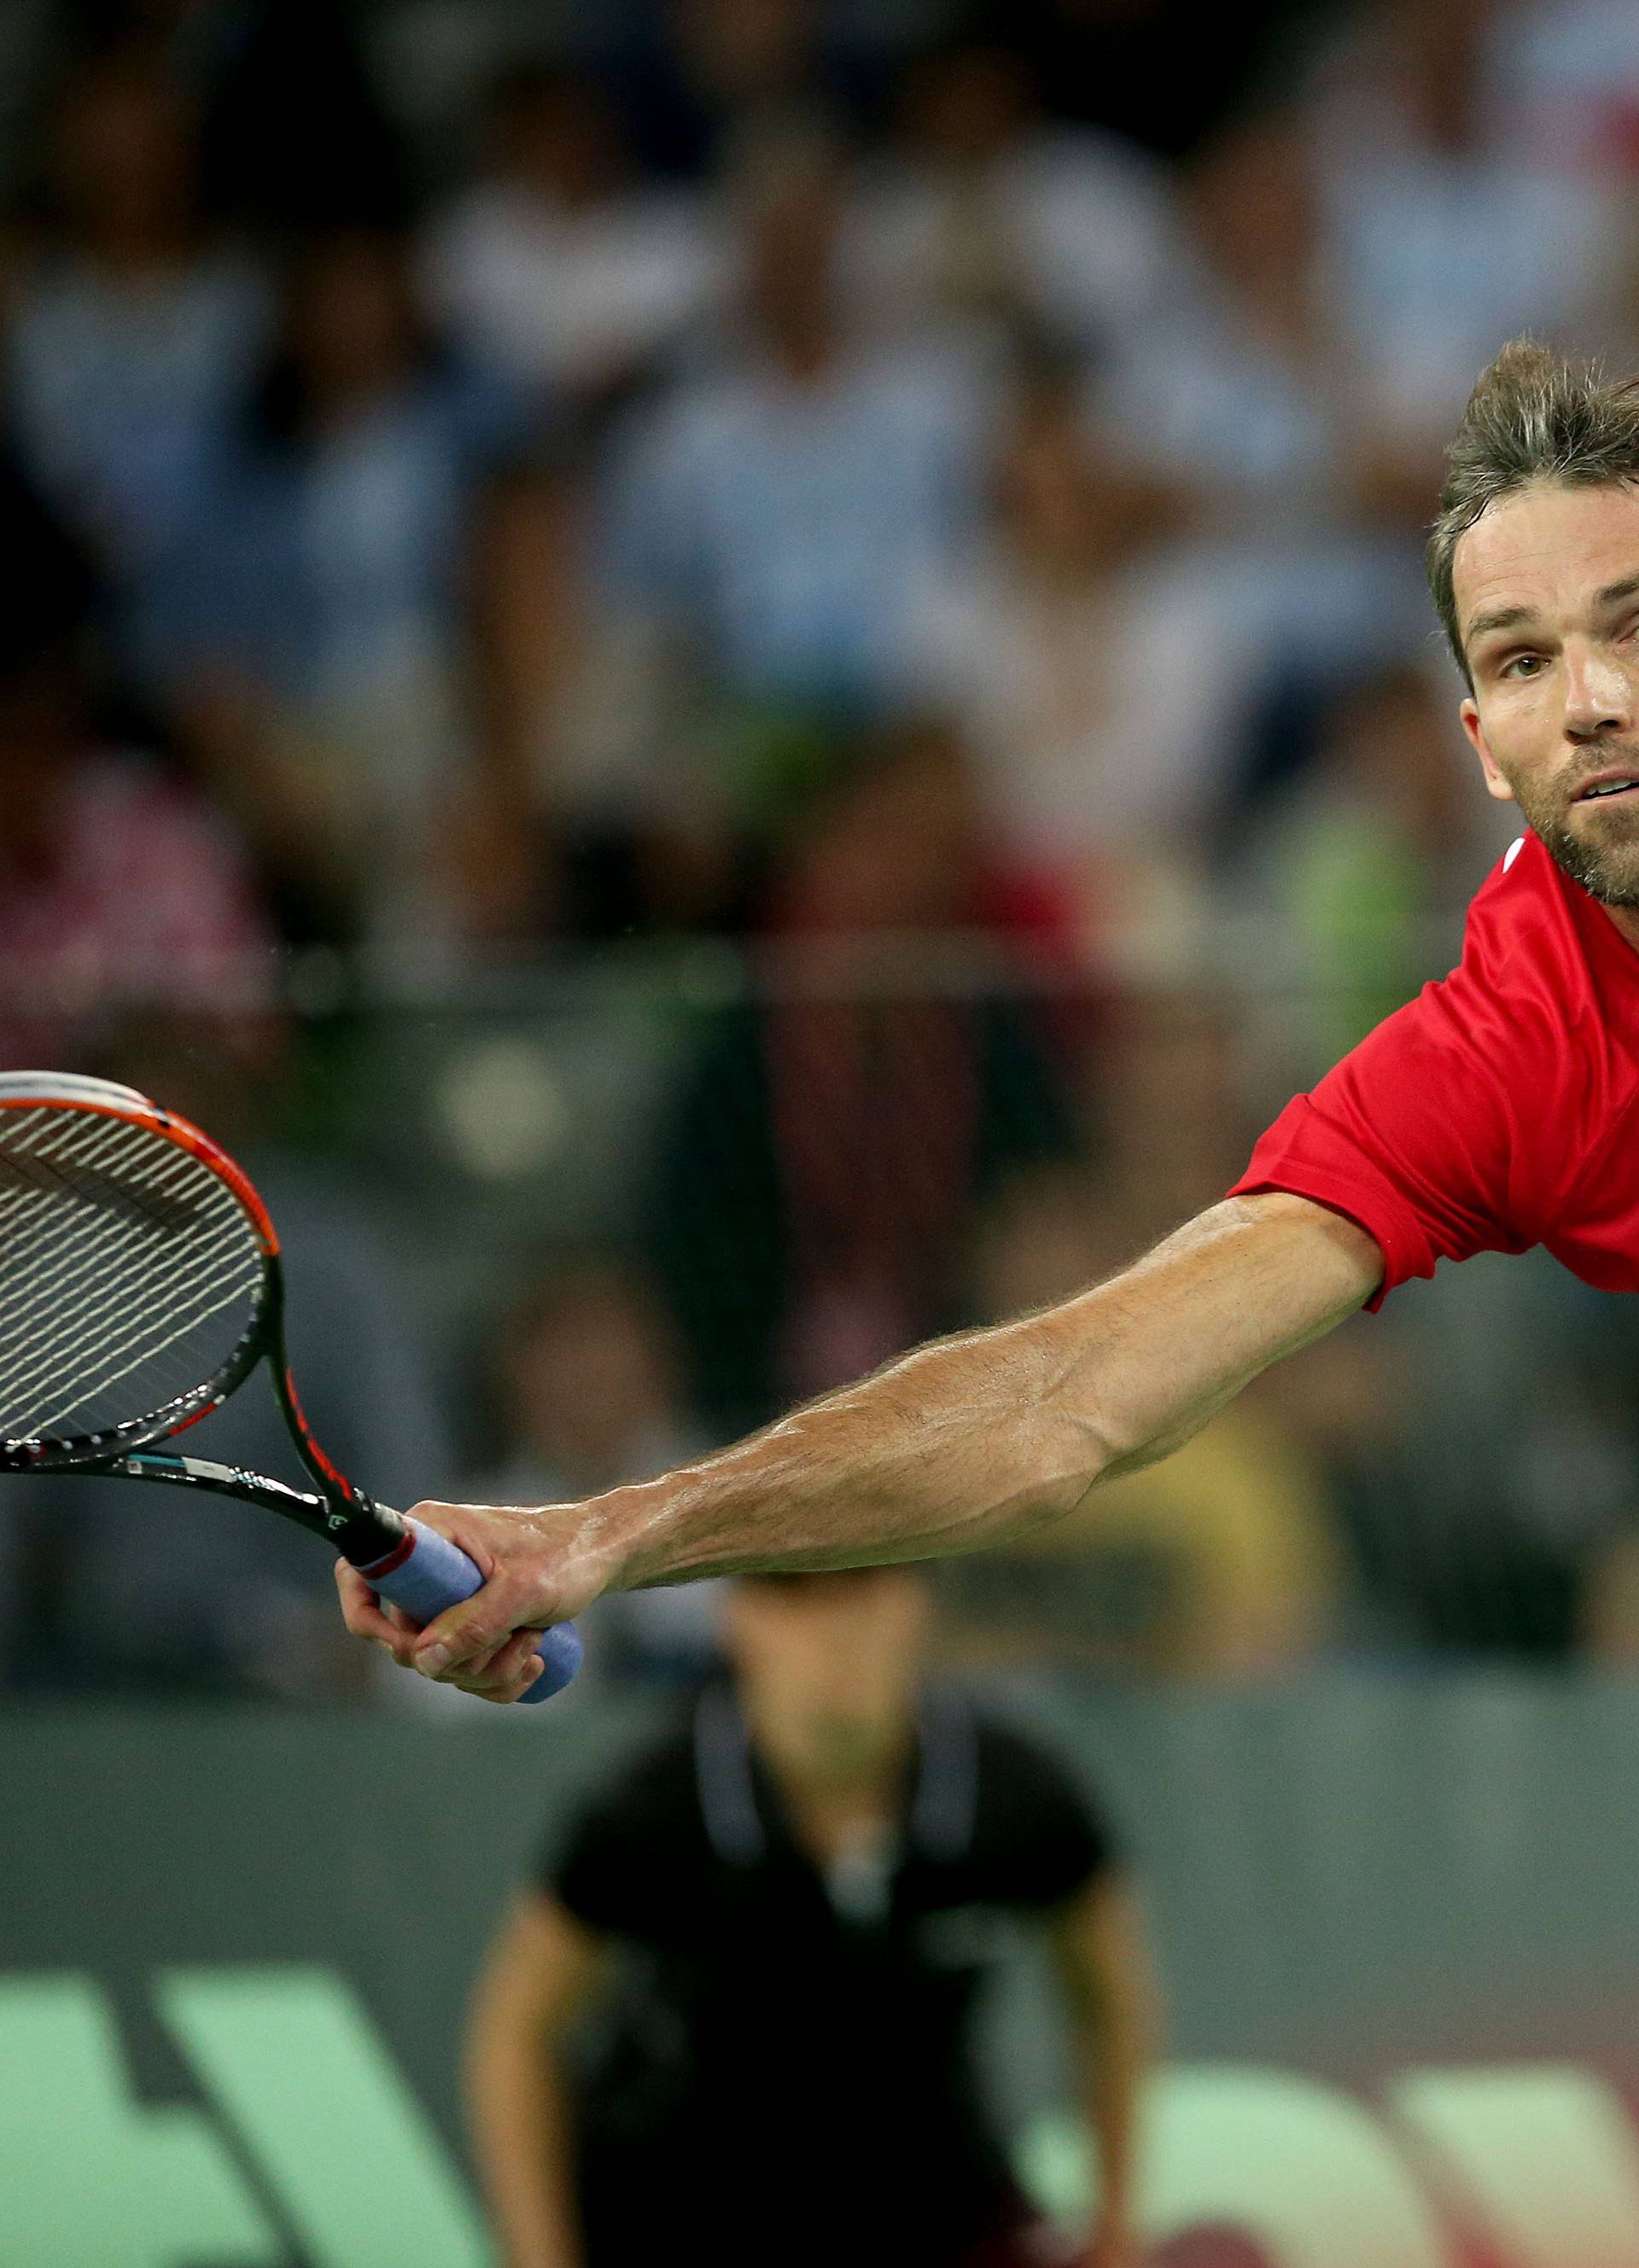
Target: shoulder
[[1015, 1764], [654, 1788], [1529, 980], [1521, 912], [1037, 1829], [627, 1834], [1524, 964]]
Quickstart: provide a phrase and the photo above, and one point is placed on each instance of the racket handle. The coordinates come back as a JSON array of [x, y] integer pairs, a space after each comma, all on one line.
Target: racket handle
[[435, 1573]]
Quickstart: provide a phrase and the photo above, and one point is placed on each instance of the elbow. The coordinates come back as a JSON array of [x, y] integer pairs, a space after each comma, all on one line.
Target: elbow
[[1076, 1453], [1081, 1439], [1099, 1454]]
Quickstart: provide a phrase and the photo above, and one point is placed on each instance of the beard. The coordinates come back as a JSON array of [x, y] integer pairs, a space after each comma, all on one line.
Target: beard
[[1603, 857]]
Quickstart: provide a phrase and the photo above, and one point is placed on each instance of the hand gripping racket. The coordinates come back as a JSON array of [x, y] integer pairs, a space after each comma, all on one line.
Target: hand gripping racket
[[140, 1285]]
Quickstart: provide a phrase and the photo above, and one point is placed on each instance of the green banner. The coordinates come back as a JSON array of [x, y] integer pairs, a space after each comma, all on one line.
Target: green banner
[[1395, 1925]]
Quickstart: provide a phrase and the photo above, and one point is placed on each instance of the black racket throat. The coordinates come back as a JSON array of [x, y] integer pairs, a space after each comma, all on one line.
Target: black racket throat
[[364, 1532], [351, 1522]]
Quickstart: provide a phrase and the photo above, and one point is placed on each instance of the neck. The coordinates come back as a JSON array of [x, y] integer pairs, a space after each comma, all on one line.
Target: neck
[[1625, 920], [833, 1787], [831, 1816]]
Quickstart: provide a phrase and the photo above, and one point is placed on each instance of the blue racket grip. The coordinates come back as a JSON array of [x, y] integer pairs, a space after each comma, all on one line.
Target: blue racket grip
[[436, 1574]]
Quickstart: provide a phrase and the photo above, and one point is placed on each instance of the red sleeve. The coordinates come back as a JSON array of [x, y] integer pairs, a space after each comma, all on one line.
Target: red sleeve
[[1416, 1136]]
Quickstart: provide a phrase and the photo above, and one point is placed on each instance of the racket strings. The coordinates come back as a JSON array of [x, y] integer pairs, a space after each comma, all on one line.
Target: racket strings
[[43, 1209], [49, 1281], [129, 1271], [92, 1381], [126, 1318], [132, 1212]]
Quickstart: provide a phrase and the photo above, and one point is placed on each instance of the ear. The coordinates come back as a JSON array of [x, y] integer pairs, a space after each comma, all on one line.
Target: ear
[[1496, 785]]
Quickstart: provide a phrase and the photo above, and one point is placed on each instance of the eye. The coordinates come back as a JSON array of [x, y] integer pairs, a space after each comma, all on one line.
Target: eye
[[1523, 665]]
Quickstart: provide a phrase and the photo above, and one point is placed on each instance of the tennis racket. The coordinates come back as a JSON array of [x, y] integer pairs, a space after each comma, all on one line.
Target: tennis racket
[[140, 1285]]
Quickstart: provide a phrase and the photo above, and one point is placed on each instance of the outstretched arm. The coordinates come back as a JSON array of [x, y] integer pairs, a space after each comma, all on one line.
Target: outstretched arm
[[541, 1972], [1098, 1949], [964, 1442]]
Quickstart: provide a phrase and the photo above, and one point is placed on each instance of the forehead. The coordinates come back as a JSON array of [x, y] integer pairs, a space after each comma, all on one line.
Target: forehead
[[1547, 549]]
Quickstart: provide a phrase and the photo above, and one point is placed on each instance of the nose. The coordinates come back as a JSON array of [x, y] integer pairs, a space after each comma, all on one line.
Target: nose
[[1598, 694]]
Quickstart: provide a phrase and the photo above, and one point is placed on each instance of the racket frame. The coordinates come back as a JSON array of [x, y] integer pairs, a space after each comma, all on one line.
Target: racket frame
[[364, 1532]]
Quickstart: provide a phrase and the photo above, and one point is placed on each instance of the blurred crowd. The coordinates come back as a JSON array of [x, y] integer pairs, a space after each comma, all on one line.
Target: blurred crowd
[[928, 497]]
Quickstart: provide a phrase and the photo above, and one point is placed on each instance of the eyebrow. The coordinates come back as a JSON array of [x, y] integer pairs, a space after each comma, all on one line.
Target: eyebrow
[[1510, 618]]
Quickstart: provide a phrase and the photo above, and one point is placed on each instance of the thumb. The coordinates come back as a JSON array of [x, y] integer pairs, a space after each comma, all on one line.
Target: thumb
[[465, 1636]]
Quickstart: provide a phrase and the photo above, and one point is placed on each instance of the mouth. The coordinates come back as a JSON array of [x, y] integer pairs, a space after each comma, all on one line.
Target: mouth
[[1607, 791]]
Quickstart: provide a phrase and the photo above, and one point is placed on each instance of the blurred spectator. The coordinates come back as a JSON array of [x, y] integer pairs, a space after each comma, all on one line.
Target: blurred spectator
[[29, 33], [1490, 1467], [558, 268], [640, 796], [1091, 669], [1443, 236], [152, 1588], [1379, 839], [819, 1169], [130, 340], [1116, 63], [1565, 84], [117, 884], [308, 637], [1166, 1077], [254, 66], [589, 1397], [1235, 385], [778, 507], [603, 813], [249, 67], [986, 209], [696, 78], [788, 1908]]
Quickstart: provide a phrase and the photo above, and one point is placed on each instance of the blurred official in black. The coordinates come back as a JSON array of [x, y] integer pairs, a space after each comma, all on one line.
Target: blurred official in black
[[791, 1901]]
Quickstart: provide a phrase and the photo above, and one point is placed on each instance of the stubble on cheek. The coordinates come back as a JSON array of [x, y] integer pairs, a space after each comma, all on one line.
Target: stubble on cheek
[[1602, 852]]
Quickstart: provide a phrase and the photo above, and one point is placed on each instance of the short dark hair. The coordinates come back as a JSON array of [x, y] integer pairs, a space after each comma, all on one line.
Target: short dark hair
[[1533, 417]]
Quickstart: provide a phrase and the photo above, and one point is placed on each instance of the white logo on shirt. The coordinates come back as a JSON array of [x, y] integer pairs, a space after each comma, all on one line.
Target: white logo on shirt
[[1513, 851]]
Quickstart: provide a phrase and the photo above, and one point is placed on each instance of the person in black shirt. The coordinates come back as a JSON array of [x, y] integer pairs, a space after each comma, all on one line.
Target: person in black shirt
[[793, 1898]]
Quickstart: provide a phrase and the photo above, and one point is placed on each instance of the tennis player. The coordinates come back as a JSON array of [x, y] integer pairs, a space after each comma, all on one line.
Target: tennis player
[[1498, 1110], [770, 1936]]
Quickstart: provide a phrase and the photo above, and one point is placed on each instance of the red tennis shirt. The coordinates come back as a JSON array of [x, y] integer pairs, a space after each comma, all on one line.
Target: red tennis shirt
[[1497, 1110]]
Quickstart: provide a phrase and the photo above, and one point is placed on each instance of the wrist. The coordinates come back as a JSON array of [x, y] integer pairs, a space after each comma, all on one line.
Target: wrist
[[630, 1536]]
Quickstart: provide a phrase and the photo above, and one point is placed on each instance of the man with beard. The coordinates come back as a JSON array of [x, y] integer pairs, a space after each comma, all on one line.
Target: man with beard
[[787, 1911], [1495, 1112]]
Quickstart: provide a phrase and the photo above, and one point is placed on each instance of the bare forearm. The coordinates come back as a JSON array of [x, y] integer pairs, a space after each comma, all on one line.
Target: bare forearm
[[1110, 1995], [962, 1443], [986, 1436], [522, 2128], [1112, 2062]]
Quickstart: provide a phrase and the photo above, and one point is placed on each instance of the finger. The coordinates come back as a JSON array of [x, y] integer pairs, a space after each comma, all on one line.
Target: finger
[[465, 1638], [510, 1672], [478, 1672], [519, 1591], [362, 1611], [373, 1619]]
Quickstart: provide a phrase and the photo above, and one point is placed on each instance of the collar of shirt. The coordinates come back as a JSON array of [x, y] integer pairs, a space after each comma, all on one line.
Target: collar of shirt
[[744, 1824]]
